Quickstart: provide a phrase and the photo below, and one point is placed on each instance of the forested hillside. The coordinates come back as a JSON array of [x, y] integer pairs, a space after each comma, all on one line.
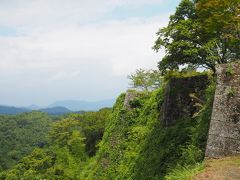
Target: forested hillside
[[20, 134], [134, 139], [69, 144], [137, 145]]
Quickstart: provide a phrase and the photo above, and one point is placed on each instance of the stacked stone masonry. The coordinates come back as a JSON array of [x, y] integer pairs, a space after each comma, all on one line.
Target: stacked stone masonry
[[178, 104], [130, 96], [224, 131]]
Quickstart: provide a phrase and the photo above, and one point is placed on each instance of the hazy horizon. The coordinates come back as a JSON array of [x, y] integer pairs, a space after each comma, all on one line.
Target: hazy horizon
[[75, 50], [51, 103]]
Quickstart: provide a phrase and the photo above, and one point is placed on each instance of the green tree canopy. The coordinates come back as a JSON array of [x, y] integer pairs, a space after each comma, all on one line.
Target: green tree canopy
[[193, 38], [71, 141], [63, 159], [145, 80], [92, 126], [20, 134], [219, 20]]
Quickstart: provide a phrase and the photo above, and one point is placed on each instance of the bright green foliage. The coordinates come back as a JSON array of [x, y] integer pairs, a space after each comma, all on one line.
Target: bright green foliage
[[69, 148], [182, 74], [20, 134], [93, 125], [34, 166], [146, 80], [137, 146], [192, 37], [62, 160], [185, 173], [66, 154], [63, 131], [67, 136], [219, 21], [179, 39], [220, 18]]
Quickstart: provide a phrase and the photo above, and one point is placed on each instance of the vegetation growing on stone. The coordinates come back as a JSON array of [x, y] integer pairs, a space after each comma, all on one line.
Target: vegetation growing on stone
[[132, 140], [136, 144]]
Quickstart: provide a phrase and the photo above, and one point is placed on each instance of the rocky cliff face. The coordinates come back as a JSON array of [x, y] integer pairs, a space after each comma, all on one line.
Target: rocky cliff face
[[224, 131]]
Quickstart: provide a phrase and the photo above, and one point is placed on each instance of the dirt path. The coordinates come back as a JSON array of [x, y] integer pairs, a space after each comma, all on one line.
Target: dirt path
[[221, 169]]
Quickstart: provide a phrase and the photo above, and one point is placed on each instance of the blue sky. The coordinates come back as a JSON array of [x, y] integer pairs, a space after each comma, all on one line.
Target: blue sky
[[79, 50]]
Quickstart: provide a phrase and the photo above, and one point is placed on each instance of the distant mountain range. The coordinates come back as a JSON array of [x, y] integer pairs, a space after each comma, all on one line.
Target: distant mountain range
[[59, 107], [74, 105], [10, 110], [56, 110]]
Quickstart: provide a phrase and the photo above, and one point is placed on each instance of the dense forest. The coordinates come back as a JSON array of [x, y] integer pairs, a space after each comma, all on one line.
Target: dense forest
[[20, 134], [131, 142], [135, 143], [37, 145]]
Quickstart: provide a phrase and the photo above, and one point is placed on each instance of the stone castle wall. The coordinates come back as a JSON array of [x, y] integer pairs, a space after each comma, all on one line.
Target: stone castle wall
[[224, 131], [178, 103]]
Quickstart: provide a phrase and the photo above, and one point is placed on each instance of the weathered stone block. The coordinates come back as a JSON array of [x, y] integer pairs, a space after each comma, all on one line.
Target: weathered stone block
[[219, 152], [130, 96], [178, 104], [221, 146], [224, 131]]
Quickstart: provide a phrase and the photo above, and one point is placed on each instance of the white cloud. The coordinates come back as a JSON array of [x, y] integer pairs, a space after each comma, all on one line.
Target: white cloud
[[43, 14], [59, 56], [126, 45]]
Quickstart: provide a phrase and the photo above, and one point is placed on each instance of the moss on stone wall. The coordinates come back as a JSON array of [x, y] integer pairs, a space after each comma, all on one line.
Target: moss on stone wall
[[137, 145], [178, 102]]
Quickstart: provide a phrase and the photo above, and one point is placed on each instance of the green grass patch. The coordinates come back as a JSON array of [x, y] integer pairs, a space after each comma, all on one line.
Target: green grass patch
[[185, 173]]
